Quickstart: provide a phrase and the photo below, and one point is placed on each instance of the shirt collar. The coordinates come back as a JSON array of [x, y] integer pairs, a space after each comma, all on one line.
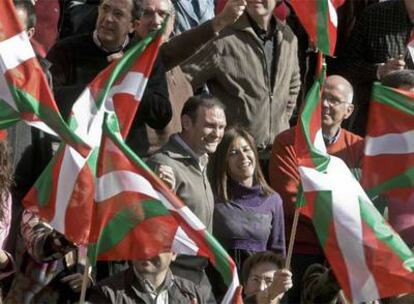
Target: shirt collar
[[331, 140], [150, 289], [200, 159], [261, 33], [98, 43]]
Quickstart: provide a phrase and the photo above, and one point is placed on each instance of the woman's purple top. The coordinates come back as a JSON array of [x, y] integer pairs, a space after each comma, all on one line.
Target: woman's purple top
[[250, 221]]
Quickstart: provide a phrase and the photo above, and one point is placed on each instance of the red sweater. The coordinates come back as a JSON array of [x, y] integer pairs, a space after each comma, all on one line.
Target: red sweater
[[284, 178]]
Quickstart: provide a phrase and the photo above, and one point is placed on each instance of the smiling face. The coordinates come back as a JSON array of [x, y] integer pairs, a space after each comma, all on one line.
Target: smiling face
[[336, 103], [260, 277], [204, 133], [241, 162], [154, 13], [114, 22]]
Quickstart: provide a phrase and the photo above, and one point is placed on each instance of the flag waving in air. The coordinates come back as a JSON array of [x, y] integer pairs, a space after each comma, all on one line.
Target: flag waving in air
[[137, 217], [320, 20], [390, 142], [369, 259], [64, 193], [110, 200], [24, 91]]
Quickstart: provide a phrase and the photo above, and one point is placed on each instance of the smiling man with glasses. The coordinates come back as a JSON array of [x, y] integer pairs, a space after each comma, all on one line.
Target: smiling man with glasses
[[337, 106], [284, 177]]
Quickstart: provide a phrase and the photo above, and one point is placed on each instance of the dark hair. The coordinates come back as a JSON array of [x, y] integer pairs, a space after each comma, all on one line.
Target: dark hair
[[137, 9], [259, 258], [29, 8], [6, 175], [399, 79], [219, 175], [203, 100]]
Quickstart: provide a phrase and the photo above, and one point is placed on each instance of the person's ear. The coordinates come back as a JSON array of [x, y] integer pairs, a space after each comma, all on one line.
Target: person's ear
[[186, 122], [133, 26], [349, 111]]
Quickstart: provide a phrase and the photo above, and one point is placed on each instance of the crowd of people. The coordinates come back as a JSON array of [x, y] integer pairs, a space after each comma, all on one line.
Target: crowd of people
[[216, 125]]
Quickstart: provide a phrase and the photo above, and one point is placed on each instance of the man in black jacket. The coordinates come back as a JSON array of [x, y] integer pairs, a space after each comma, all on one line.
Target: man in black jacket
[[147, 281], [77, 61]]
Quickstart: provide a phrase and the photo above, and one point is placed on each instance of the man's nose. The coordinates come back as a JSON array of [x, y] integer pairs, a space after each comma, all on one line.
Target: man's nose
[[108, 16], [158, 19], [263, 285]]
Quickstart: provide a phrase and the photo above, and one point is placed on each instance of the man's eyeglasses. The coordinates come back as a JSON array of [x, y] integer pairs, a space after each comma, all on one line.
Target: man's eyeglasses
[[333, 101]]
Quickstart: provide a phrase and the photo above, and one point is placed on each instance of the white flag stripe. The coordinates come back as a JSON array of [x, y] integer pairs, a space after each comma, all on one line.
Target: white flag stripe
[[134, 84], [191, 218], [183, 244], [347, 221], [14, 51], [72, 164], [119, 181], [42, 126], [332, 14], [116, 182], [319, 142], [348, 228], [392, 143], [88, 119], [228, 297], [5, 93]]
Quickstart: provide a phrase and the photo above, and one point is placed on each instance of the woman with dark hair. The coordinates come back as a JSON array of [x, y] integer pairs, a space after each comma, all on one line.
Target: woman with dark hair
[[6, 178], [248, 214]]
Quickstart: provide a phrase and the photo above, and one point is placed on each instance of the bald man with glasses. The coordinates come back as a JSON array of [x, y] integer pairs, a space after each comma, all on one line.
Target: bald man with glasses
[[337, 95]]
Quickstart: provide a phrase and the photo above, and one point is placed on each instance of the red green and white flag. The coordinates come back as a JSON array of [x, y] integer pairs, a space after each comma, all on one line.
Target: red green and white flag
[[111, 200], [320, 20], [24, 91], [390, 142], [65, 192], [369, 259], [308, 138], [137, 217]]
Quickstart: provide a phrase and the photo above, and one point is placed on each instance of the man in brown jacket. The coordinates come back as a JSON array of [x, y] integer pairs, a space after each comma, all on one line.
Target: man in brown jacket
[[172, 53], [252, 67]]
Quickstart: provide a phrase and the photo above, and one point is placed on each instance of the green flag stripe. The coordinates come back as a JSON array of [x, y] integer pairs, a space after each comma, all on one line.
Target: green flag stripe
[[112, 130], [404, 180], [122, 223], [383, 231], [8, 116], [322, 25], [388, 96], [221, 257], [92, 161], [319, 159], [48, 115], [44, 182], [323, 215]]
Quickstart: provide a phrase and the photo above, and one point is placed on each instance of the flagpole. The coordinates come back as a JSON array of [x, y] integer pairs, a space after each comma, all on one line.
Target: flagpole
[[84, 282], [292, 238]]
